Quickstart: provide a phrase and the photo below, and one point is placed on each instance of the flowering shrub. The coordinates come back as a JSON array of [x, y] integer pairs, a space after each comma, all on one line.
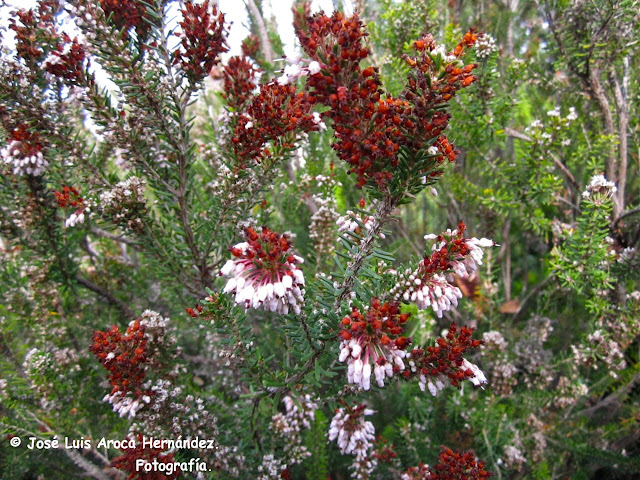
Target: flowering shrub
[[213, 257]]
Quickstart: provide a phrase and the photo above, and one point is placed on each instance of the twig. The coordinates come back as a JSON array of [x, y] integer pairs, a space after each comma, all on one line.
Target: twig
[[490, 449], [264, 36], [564, 200], [622, 110], [126, 311], [181, 144], [565, 170], [112, 236], [624, 215], [386, 207], [515, 134]]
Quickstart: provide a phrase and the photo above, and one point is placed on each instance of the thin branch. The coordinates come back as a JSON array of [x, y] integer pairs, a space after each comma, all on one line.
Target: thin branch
[[379, 219], [612, 399], [567, 202], [624, 215], [88, 284], [112, 236], [564, 169], [182, 146], [516, 134], [622, 110], [265, 44]]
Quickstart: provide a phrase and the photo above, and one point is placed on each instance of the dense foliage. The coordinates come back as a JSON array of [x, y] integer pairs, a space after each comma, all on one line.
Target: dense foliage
[[408, 251]]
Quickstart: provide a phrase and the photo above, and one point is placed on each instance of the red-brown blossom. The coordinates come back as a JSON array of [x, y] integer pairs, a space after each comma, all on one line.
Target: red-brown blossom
[[124, 356], [202, 39], [265, 272], [452, 465], [67, 61], [431, 284], [69, 197], [24, 152], [445, 360], [34, 28], [128, 14], [383, 450], [373, 343], [240, 80], [459, 466], [250, 46], [277, 115], [371, 128], [454, 247], [194, 312]]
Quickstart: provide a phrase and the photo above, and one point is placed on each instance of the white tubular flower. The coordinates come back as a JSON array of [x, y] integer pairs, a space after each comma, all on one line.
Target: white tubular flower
[[123, 404], [24, 159], [353, 434], [265, 274], [314, 67], [468, 264], [74, 219], [436, 293], [372, 344], [293, 59], [478, 378]]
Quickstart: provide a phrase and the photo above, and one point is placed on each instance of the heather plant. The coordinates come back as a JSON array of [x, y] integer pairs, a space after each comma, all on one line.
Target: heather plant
[[409, 255]]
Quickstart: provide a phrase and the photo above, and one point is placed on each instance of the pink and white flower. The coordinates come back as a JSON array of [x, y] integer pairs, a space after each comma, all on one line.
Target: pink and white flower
[[371, 344], [265, 274], [24, 159], [352, 432]]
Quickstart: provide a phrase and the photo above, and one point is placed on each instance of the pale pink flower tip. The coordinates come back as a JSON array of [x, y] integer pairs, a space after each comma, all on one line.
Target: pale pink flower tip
[[265, 273]]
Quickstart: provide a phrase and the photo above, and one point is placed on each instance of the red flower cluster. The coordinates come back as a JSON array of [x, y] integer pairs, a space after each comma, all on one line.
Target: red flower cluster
[[34, 24], [127, 462], [124, 356], [203, 40], [277, 114], [383, 451], [446, 358], [265, 273], [23, 152], [381, 324], [459, 466], [337, 43], [69, 197], [432, 82], [373, 344], [240, 80], [128, 14], [442, 259], [250, 46], [27, 141], [194, 312], [67, 61], [371, 130], [267, 250], [451, 466]]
